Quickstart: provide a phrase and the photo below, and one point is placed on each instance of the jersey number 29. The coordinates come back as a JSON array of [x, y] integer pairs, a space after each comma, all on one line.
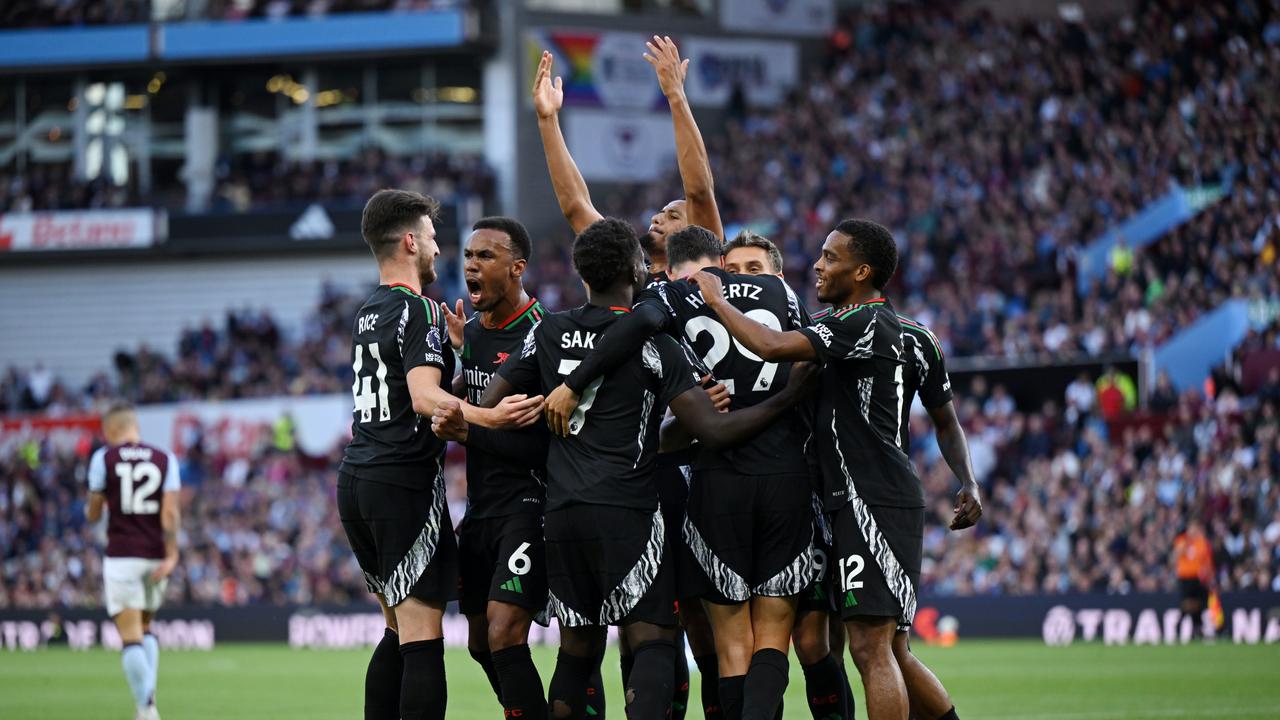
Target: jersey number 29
[[721, 342]]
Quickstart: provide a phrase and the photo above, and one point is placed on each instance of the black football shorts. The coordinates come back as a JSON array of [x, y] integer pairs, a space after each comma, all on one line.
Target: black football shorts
[[609, 565], [875, 566], [502, 559], [402, 537], [818, 597], [750, 534], [671, 477]]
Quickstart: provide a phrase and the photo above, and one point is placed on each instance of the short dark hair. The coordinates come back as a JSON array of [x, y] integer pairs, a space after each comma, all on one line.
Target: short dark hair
[[746, 239], [605, 252], [521, 244], [690, 243], [874, 243], [389, 214]]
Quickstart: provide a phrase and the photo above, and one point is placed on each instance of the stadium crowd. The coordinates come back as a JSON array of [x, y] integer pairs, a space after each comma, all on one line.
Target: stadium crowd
[[996, 151], [1068, 508], [993, 180], [261, 181]]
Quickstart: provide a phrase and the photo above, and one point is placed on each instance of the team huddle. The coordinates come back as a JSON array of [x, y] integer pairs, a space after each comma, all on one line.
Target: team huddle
[[690, 456]]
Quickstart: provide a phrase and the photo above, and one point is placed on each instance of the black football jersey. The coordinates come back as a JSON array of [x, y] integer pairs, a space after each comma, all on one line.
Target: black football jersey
[[859, 407], [769, 301], [395, 331], [608, 457], [925, 373], [657, 277], [497, 486]]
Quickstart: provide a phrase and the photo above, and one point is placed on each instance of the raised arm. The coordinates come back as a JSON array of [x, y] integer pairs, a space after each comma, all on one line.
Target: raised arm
[[694, 410], [691, 152], [571, 189], [771, 345], [955, 450]]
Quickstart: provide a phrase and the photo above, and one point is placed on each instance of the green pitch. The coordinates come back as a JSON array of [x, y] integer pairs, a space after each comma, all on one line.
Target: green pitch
[[989, 680]]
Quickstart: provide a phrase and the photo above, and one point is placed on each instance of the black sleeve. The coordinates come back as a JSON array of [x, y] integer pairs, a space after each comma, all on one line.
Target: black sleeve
[[623, 340], [797, 315], [935, 386], [523, 372], [423, 336], [527, 445], [835, 339], [675, 372]]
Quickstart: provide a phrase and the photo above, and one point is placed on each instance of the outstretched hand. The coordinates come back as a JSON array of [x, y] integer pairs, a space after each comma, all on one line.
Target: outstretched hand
[[456, 321], [517, 411], [664, 56], [548, 96]]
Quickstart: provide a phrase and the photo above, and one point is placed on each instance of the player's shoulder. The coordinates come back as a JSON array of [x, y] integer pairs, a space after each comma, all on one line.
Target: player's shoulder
[[919, 332], [871, 310]]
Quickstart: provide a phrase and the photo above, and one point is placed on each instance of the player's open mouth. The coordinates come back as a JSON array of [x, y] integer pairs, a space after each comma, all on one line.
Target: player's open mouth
[[473, 290]]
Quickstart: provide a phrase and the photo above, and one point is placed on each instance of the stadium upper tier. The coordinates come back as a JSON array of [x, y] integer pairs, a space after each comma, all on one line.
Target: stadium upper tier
[[43, 13], [998, 151]]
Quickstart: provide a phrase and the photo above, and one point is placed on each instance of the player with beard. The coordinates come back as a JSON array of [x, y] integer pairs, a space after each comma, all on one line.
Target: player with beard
[[698, 207], [606, 549], [877, 510], [750, 519], [503, 576], [391, 494], [817, 638]]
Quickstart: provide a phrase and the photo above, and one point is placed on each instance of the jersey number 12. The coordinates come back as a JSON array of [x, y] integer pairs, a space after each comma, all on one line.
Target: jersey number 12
[[138, 499]]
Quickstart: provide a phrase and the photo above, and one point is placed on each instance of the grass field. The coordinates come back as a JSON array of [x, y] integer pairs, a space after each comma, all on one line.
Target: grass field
[[989, 680]]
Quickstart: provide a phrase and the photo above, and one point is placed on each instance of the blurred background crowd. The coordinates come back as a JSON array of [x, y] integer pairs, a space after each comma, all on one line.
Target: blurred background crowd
[[995, 151]]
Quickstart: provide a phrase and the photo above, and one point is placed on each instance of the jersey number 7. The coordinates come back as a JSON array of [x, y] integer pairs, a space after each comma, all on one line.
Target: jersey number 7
[[579, 417]]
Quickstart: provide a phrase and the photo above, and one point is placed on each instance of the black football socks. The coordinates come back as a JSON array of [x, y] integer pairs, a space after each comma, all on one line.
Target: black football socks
[[521, 686], [567, 696], [709, 669], [382, 679], [648, 691], [731, 689], [680, 690], [423, 693], [825, 689], [485, 660], [766, 681]]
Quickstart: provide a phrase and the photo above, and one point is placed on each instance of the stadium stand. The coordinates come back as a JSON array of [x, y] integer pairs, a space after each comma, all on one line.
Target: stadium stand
[[262, 181], [995, 181]]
